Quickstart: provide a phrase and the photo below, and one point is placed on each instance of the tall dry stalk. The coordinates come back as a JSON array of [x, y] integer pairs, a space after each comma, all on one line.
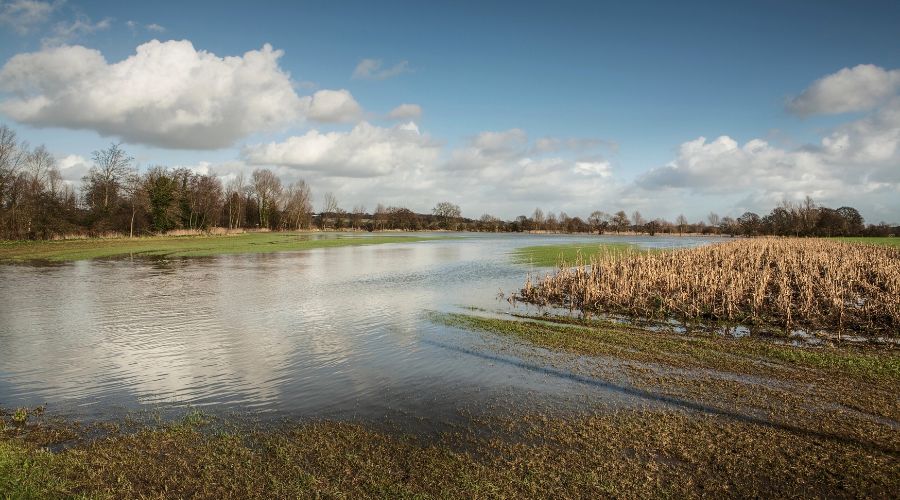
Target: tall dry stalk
[[788, 283]]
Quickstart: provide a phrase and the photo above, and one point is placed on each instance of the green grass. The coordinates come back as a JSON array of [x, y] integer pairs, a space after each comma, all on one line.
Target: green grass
[[628, 454], [184, 246], [744, 355], [568, 254], [895, 242]]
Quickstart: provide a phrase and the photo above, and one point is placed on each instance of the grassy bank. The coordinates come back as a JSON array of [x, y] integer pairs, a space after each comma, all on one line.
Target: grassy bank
[[895, 242], [185, 246], [568, 254]]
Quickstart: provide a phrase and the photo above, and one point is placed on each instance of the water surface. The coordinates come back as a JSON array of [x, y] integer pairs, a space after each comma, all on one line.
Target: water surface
[[334, 333]]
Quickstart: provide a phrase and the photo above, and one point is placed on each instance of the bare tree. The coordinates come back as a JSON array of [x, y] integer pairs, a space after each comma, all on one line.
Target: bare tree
[[234, 194], [134, 187], [538, 218], [447, 213], [331, 207], [298, 204], [111, 166], [267, 188], [381, 216], [599, 221], [359, 211], [638, 220], [620, 221], [681, 221]]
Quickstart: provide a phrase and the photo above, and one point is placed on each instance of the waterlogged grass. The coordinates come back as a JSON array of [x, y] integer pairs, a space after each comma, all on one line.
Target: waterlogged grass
[[569, 254], [185, 246], [717, 442], [745, 355], [633, 454], [892, 241]]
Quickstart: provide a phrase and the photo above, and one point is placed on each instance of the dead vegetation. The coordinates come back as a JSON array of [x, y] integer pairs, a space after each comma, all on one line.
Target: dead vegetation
[[786, 283]]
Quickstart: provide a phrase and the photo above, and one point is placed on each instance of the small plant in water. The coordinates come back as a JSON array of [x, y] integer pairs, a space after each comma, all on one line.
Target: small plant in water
[[20, 416], [194, 418]]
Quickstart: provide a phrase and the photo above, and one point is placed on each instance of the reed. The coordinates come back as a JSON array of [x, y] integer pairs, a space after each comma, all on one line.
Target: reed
[[788, 283]]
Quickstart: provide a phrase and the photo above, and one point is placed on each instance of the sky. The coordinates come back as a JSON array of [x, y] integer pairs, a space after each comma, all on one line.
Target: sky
[[500, 107]]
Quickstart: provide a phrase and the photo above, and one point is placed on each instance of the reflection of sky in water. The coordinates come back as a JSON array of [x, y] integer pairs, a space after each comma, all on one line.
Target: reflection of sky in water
[[328, 332]]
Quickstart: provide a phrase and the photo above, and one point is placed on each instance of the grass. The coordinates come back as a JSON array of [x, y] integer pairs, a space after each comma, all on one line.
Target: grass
[[775, 283], [746, 355], [183, 246], [635, 454], [568, 254], [892, 241]]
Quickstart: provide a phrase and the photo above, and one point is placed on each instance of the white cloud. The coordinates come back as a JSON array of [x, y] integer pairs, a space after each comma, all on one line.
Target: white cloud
[[72, 168], [373, 69], [167, 94], [856, 164], [23, 15], [406, 112], [156, 28], [860, 88], [67, 31], [333, 106], [600, 168], [364, 151]]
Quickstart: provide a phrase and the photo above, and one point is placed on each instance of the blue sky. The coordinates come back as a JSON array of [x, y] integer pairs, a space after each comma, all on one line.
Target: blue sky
[[622, 89]]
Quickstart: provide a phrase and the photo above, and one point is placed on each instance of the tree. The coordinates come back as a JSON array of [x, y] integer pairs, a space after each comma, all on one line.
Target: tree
[[111, 166], [161, 190], [713, 219], [681, 221], [234, 198], [329, 207], [359, 211], [599, 221], [298, 204], [854, 222], [638, 220], [538, 218], [267, 188], [381, 217], [749, 223], [447, 213], [137, 195], [620, 221]]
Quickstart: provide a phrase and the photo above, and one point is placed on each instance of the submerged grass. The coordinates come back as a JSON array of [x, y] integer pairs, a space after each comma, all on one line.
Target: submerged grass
[[745, 355], [184, 246], [569, 254], [632, 454]]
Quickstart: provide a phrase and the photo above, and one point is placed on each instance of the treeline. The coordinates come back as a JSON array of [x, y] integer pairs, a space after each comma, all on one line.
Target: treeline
[[114, 198]]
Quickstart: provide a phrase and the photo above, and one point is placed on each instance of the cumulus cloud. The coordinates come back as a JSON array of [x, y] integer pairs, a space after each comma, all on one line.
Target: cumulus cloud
[[373, 69], [333, 106], [167, 94], [23, 15], [156, 28], [854, 164], [72, 168], [860, 88], [406, 112], [364, 151]]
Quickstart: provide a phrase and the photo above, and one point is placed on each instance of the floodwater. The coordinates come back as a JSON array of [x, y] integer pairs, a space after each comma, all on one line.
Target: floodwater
[[326, 333]]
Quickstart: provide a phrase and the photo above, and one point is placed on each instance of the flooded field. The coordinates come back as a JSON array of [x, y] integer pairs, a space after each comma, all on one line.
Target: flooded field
[[333, 333]]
